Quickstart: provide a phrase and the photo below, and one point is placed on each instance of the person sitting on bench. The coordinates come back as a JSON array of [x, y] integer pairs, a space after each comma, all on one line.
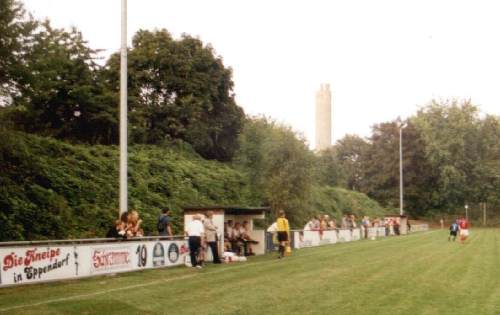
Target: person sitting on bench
[[247, 239]]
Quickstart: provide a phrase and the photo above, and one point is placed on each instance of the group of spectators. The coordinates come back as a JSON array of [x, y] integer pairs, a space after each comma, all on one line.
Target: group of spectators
[[128, 226], [321, 223], [237, 238], [202, 233], [349, 221]]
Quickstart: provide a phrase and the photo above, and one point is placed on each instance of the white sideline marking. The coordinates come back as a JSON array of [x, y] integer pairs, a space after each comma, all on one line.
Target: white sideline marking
[[134, 286], [188, 276]]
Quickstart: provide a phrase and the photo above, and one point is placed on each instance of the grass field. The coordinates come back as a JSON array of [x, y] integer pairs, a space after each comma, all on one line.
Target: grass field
[[417, 274]]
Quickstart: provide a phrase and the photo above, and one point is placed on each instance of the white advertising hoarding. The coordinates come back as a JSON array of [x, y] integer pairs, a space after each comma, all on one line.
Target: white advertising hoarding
[[381, 231], [314, 238], [372, 232], [306, 239], [355, 234], [20, 265], [345, 235]]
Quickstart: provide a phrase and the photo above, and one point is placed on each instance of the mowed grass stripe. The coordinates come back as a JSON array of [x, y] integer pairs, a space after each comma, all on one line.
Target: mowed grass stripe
[[62, 292], [260, 278], [152, 277], [407, 275]]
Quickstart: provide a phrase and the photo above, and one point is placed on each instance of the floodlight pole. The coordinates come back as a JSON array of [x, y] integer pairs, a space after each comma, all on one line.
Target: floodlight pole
[[401, 169], [484, 213], [123, 112]]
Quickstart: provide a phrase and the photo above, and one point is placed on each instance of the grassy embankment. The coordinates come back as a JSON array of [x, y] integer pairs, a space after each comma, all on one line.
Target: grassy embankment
[[50, 189]]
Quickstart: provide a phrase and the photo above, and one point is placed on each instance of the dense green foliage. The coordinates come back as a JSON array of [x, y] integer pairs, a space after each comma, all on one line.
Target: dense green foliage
[[179, 89], [416, 274], [50, 189], [284, 174], [15, 28], [52, 85], [278, 164], [451, 157], [337, 201]]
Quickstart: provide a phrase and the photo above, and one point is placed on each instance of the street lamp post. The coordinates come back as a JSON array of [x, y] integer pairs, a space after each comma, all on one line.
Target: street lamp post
[[401, 168]]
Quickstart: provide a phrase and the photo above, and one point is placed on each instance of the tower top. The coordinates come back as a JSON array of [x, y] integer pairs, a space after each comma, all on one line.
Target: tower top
[[323, 117], [324, 87]]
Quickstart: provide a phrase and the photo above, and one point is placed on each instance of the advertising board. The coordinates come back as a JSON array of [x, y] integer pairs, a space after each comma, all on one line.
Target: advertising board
[[21, 265], [29, 264]]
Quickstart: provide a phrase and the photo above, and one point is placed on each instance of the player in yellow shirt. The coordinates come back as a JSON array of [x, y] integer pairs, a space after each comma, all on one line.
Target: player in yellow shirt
[[283, 230]]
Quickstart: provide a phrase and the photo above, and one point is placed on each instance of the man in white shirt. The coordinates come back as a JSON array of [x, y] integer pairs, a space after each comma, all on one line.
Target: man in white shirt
[[194, 231]]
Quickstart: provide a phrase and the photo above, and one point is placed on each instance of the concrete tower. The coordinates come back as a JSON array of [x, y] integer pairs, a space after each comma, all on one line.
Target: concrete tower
[[323, 117]]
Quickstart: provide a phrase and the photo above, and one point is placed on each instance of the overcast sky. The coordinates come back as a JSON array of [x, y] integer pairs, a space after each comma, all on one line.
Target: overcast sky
[[383, 59]]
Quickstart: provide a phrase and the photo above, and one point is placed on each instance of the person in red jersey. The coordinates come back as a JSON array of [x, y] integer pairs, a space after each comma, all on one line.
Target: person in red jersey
[[464, 229]]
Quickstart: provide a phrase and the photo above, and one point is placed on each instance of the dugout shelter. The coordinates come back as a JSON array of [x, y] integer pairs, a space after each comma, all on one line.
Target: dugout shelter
[[236, 214]]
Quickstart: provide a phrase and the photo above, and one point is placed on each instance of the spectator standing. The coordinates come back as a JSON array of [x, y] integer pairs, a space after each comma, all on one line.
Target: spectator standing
[[315, 223], [353, 221], [332, 225], [163, 225], [272, 239], [194, 231], [441, 222], [344, 223], [323, 225], [365, 224], [211, 236], [396, 227], [391, 227], [309, 225], [283, 229]]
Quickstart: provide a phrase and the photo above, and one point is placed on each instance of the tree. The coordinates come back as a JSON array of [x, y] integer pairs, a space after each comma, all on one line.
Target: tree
[[381, 171], [488, 170], [15, 30], [279, 164], [350, 152], [61, 90], [329, 169], [179, 89], [449, 134]]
